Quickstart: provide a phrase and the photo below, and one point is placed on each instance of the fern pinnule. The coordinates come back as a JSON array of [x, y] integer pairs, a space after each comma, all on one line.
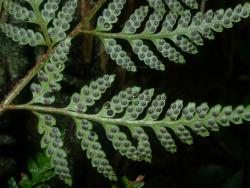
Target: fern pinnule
[[49, 10], [118, 54], [110, 15], [120, 141], [80, 102], [23, 36], [119, 102], [93, 148], [61, 23]]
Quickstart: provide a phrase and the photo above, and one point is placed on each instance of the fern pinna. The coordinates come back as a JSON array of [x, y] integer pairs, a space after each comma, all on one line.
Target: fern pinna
[[162, 23], [175, 25]]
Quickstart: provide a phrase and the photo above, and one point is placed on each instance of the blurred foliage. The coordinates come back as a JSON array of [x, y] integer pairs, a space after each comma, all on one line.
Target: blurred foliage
[[13, 62], [40, 171]]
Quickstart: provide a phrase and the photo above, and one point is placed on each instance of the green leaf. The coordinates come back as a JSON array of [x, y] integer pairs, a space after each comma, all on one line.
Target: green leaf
[[32, 166], [44, 177], [42, 161], [12, 183], [25, 182], [40, 172], [138, 183]]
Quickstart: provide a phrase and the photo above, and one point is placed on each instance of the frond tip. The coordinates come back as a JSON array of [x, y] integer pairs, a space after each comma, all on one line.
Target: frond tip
[[164, 29]]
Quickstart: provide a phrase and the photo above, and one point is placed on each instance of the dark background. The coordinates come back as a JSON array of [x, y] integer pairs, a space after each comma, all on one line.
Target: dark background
[[220, 73]]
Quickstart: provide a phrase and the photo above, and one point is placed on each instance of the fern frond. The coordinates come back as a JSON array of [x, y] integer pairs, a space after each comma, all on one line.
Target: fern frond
[[49, 36], [50, 77], [53, 143], [162, 28], [131, 108], [136, 110]]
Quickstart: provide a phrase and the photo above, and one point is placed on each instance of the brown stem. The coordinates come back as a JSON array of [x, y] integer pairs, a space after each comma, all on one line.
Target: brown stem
[[30, 75], [87, 42], [23, 82], [84, 23], [203, 6]]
